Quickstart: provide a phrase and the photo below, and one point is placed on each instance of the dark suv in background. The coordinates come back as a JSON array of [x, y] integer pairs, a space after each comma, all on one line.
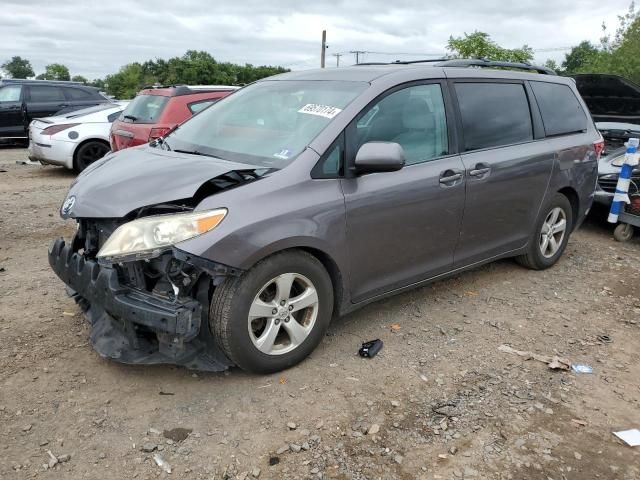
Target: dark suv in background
[[237, 237], [23, 100]]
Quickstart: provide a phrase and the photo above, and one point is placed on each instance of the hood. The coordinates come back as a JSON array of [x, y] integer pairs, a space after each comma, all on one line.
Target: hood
[[610, 98], [140, 177]]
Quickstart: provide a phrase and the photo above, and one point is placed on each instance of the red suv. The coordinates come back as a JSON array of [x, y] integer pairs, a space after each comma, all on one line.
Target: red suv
[[156, 110]]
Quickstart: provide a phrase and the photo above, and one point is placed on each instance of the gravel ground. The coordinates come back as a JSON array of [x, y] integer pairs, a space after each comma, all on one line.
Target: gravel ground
[[441, 401]]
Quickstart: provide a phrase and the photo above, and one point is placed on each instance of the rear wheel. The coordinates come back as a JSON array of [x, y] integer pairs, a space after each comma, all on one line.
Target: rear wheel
[[275, 314], [551, 235], [89, 152]]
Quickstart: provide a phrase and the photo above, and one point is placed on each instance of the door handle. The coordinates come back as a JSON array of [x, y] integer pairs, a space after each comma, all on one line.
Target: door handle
[[450, 178], [478, 172]]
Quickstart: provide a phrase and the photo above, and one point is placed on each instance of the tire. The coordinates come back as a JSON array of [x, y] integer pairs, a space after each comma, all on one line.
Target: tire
[[236, 306], [535, 258], [623, 232], [89, 152]]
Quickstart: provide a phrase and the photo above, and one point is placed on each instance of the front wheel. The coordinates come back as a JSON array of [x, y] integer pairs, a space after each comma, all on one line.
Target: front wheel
[[275, 314], [551, 234]]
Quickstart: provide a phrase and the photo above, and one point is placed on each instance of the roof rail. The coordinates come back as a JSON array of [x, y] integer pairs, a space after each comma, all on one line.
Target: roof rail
[[481, 62], [470, 62]]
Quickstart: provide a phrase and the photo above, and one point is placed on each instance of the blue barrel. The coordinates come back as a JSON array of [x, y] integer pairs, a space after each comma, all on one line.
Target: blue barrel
[[624, 180]]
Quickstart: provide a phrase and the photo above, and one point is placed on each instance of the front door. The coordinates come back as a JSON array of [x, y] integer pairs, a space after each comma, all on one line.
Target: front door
[[11, 111], [507, 171], [403, 226]]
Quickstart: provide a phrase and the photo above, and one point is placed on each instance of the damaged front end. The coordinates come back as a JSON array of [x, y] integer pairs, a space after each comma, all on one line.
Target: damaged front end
[[149, 311], [142, 311]]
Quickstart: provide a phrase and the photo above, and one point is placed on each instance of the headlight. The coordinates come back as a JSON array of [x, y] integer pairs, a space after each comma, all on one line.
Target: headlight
[[147, 237], [618, 161]]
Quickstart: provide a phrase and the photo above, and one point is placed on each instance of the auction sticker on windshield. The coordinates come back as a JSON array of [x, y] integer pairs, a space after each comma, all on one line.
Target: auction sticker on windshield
[[326, 111]]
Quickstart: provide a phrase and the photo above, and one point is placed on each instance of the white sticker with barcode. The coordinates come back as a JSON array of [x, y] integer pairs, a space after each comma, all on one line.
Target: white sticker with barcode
[[326, 111]]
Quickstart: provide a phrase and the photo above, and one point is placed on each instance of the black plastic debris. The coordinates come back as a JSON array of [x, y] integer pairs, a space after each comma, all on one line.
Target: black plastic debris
[[274, 461], [370, 349]]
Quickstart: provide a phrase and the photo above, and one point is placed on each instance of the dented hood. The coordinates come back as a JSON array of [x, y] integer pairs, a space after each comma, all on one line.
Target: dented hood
[[138, 177]]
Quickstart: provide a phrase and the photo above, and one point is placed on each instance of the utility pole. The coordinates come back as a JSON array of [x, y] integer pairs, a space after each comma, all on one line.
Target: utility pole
[[324, 48], [338, 55], [357, 53]]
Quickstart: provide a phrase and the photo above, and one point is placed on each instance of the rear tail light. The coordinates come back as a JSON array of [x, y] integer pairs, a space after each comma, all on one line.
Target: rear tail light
[[158, 132], [52, 130], [599, 147]]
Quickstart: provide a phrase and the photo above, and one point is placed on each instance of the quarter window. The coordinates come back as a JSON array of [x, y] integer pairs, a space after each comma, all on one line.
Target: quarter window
[[561, 112], [414, 117], [41, 93], [10, 93], [494, 114], [195, 107], [79, 94]]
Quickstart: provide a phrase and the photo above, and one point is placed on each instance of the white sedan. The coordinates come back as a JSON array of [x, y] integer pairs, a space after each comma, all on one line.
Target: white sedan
[[75, 139]]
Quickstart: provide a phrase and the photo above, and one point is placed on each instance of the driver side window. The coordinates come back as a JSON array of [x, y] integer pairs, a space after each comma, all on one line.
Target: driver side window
[[414, 117]]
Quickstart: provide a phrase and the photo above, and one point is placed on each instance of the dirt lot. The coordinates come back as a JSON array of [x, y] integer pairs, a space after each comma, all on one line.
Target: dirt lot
[[439, 402]]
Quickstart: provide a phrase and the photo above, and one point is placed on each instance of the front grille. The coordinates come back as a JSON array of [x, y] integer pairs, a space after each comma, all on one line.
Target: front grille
[[608, 183]]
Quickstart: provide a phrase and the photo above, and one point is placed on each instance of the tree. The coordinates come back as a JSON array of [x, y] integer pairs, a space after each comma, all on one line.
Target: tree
[[79, 78], [55, 71], [582, 54], [18, 67], [553, 65], [192, 68], [479, 45]]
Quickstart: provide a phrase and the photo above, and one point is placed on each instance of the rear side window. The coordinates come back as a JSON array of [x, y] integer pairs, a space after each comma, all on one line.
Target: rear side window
[[494, 114], [113, 116], [45, 93], [195, 107], [78, 94], [145, 109], [561, 112], [10, 93]]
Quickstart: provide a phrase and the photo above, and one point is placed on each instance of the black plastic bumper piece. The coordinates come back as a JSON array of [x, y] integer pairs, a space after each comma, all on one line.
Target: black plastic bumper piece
[[136, 327]]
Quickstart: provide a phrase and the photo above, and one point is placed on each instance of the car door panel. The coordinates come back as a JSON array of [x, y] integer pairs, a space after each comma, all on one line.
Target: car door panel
[[44, 101], [402, 226], [11, 114], [502, 203]]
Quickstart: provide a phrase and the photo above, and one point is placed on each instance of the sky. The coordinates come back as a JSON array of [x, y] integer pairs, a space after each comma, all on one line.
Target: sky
[[96, 38]]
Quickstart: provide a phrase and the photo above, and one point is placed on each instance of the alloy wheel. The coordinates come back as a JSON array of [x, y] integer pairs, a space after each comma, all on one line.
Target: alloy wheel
[[553, 232], [283, 313]]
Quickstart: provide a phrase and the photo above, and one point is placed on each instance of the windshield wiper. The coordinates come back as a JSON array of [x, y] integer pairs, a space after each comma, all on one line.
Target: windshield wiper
[[195, 152], [133, 118]]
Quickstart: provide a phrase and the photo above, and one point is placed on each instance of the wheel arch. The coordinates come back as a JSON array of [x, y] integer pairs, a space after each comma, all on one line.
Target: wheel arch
[[574, 200]]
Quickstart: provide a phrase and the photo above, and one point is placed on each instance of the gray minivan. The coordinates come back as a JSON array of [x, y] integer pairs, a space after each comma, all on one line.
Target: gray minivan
[[235, 239]]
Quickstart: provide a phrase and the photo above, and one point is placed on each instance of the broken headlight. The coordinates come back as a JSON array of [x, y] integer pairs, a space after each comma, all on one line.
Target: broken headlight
[[149, 236]]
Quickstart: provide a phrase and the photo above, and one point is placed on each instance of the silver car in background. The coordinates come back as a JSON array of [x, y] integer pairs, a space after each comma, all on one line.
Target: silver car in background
[[73, 140]]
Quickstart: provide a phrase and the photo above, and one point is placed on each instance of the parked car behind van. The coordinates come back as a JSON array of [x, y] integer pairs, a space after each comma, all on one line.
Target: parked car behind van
[[23, 100], [156, 110], [302, 197], [74, 140]]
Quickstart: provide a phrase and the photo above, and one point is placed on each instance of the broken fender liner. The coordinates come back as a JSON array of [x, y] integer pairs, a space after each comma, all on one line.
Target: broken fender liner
[[111, 340], [135, 327]]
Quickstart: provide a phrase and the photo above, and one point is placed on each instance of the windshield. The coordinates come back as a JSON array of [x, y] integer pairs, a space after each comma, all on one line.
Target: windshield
[[267, 123], [145, 109]]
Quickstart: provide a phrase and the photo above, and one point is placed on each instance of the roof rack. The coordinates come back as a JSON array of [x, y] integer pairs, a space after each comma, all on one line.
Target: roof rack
[[481, 62], [470, 62], [193, 87]]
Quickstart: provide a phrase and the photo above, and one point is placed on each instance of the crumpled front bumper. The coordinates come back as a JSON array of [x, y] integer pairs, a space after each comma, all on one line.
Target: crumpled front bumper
[[135, 327]]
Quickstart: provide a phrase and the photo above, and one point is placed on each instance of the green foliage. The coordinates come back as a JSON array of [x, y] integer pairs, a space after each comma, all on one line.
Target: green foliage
[[193, 68], [18, 67], [553, 65], [480, 45], [618, 54], [55, 71], [581, 55], [79, 78]]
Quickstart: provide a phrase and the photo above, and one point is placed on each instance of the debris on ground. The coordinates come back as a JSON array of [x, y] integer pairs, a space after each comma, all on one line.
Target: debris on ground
[[580, 368], [630, 437], [370, 349], [554, 363], [161, 462], [177, 434]]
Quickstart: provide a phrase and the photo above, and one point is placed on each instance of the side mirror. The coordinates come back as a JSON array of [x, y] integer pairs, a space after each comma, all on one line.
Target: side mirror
[[375, 157]]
